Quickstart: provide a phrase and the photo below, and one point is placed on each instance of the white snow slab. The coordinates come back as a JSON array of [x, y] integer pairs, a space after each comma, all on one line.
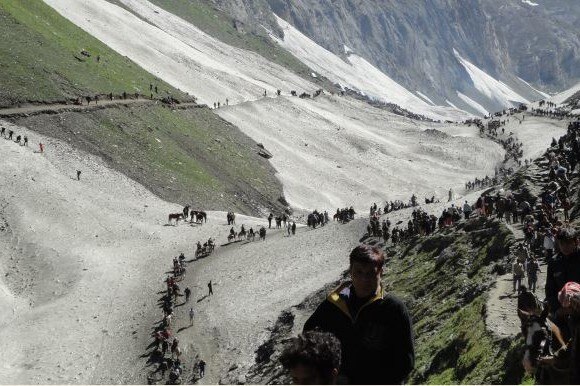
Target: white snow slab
[[561, 97], [357, 73], [472, 103], [334, 151], [488, 86]]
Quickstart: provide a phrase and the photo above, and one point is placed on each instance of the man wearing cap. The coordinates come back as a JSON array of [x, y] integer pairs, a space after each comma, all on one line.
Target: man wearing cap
[[564, 267], [374, 328]]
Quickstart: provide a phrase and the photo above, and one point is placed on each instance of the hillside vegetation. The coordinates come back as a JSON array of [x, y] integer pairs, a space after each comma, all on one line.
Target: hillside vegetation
[[41, 60], [183, 156]]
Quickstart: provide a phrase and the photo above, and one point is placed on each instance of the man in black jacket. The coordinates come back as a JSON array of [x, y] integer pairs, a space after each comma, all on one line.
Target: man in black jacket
[[564, 267], [374, 329]]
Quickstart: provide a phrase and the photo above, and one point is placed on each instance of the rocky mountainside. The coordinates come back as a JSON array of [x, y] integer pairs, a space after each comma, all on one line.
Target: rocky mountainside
[[420, 44]]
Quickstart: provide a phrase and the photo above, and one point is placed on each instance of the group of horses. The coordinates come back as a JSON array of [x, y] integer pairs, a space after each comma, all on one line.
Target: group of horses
[[247, 235], [204, 250], [195, 216]]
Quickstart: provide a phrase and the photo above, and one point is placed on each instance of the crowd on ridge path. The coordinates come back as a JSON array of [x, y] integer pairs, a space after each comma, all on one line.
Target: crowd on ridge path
[[334, 349]]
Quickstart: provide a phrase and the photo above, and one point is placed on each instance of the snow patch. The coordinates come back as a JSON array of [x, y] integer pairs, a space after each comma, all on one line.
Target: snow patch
[[451, 104], [528, 2], [472, 103], [490, 87], [425, 97], [535, 89], [358, 74], [561, 97], [178, 52]]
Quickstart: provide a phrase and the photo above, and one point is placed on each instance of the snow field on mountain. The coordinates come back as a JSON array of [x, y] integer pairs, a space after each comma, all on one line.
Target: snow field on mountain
[[335, 151], [179, 53]]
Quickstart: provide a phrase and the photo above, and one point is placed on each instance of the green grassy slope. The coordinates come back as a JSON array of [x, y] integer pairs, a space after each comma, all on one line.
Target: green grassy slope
[[40, 59], [184, 156], [444, 280]]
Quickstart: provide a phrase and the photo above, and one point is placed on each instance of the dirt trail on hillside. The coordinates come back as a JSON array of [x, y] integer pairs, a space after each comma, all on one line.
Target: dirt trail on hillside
[[60, 107], [501, 316]]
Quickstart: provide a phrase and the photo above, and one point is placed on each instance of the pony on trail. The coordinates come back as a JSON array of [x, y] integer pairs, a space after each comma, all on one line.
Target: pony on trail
[[176, 217], [543, 339]]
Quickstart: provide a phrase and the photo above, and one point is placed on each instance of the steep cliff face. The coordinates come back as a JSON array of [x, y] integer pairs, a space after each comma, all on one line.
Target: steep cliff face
[[516, 41]]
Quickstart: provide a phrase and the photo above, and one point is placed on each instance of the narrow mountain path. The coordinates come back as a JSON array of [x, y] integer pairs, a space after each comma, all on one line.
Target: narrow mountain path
[[501, 316], [61, 107]]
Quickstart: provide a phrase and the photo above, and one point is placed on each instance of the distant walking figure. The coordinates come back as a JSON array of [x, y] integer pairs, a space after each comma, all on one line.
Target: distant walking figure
[[10, 134], [191, 314], [25, 140], [3, 131], [450, 194], [201, 368], [210, 288], [41, 146], [187, 294], [78, 175]]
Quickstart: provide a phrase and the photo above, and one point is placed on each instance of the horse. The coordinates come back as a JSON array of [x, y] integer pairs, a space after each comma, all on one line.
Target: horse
[[242, 233], [251, 236], [176, 217], [543, 338], [232, 237]]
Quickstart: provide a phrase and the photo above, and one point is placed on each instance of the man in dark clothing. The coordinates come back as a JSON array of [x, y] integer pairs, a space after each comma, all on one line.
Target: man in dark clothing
[[210, 288], [374, 329], [564, 267], [201, 368], [270, 217]]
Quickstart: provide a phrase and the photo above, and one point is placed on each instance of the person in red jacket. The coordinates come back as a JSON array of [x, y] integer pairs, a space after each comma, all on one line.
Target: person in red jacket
[[374, 328]]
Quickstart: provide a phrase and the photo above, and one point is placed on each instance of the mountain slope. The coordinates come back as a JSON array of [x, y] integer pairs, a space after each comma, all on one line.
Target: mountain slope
[[525, 47], [41, 60]]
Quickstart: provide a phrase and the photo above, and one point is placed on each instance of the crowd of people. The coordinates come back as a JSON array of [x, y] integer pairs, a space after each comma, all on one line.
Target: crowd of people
[[166, 351]]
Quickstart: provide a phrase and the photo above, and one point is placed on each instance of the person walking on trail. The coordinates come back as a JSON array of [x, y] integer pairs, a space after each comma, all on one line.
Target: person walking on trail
[[10, 134], [374, 328], [187, 292], [3, 131], [450, 194], [518, 274], [270, 217], [191, 315], [78, 175], [467, 210], [25, 140], [210, 288], [533, 268], [201, 368], [293, 228], [41, 146]]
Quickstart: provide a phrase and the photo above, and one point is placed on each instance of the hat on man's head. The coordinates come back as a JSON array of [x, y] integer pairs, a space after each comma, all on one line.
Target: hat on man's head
[[569, 290]]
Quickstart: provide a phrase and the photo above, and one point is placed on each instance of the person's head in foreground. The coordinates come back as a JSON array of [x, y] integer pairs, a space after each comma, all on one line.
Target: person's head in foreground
[[312, 358], [366, 268]]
